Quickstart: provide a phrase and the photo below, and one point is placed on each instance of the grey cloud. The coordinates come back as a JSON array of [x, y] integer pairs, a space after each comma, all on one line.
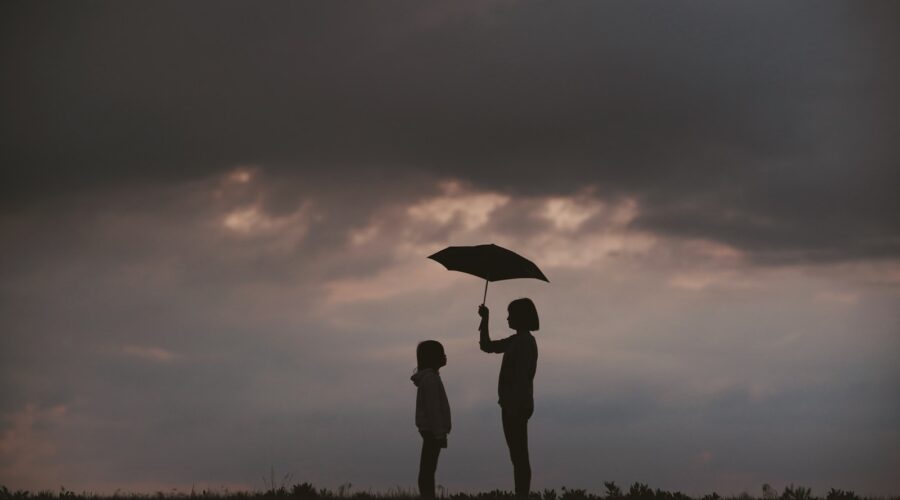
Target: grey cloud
[[778, 112]]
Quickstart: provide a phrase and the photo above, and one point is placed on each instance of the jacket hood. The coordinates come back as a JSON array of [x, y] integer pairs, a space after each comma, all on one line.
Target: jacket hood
[[421, 374]]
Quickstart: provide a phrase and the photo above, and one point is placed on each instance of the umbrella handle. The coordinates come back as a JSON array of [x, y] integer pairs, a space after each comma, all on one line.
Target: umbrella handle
[[485, 292]]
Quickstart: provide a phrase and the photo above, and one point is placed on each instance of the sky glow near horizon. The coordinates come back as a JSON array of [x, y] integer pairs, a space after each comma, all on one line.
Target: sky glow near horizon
[[668, 360], [213, 263]]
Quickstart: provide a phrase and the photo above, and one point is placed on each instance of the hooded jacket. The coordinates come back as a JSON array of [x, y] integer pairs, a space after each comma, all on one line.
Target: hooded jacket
[[432, 407]]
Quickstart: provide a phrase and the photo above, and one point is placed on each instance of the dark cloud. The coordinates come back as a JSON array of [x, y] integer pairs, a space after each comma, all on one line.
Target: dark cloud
[[768, 126]]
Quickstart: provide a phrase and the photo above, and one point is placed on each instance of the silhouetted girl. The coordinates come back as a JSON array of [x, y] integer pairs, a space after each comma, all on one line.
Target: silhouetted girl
[[432, 411], [516, 385]]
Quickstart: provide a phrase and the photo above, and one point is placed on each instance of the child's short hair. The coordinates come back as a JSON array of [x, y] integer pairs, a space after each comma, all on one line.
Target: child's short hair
[[526, 314], [429, 354]]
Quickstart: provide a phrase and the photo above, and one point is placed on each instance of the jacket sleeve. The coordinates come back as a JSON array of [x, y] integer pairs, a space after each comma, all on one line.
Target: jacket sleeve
[[432, 400], [491, 346]]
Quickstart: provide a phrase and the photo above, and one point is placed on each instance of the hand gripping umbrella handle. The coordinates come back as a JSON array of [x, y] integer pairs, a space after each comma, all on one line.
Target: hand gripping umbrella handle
[[483, 300]]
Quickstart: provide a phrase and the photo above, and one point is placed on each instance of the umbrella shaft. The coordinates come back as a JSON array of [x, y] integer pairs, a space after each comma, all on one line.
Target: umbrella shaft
[[485, 292]]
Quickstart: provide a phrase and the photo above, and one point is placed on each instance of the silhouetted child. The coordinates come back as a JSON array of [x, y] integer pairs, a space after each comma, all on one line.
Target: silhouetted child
[[516, 384], [432, 411]]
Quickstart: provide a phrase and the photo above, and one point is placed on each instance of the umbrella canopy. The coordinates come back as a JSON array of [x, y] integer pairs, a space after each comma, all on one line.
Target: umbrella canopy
[[489, 262]]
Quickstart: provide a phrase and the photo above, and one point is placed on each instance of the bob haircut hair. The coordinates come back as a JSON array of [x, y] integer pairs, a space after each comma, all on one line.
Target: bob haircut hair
[[525, 314], [429, 354]]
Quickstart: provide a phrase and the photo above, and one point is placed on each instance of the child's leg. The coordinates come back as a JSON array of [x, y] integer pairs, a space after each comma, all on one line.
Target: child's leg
[[515, 429], [428, 465]]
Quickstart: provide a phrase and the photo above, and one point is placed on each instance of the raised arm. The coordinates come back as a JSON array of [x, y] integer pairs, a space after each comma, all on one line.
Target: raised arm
[[485, 342]]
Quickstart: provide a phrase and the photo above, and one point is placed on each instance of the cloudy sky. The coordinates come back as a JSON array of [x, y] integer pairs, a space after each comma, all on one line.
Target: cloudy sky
[[214, 219]]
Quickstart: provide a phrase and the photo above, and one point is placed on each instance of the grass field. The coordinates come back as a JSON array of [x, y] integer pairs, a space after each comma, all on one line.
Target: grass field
[[306, 491]]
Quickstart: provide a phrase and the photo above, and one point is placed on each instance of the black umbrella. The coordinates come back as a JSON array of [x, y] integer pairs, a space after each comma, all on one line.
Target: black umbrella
[[489, 262]]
